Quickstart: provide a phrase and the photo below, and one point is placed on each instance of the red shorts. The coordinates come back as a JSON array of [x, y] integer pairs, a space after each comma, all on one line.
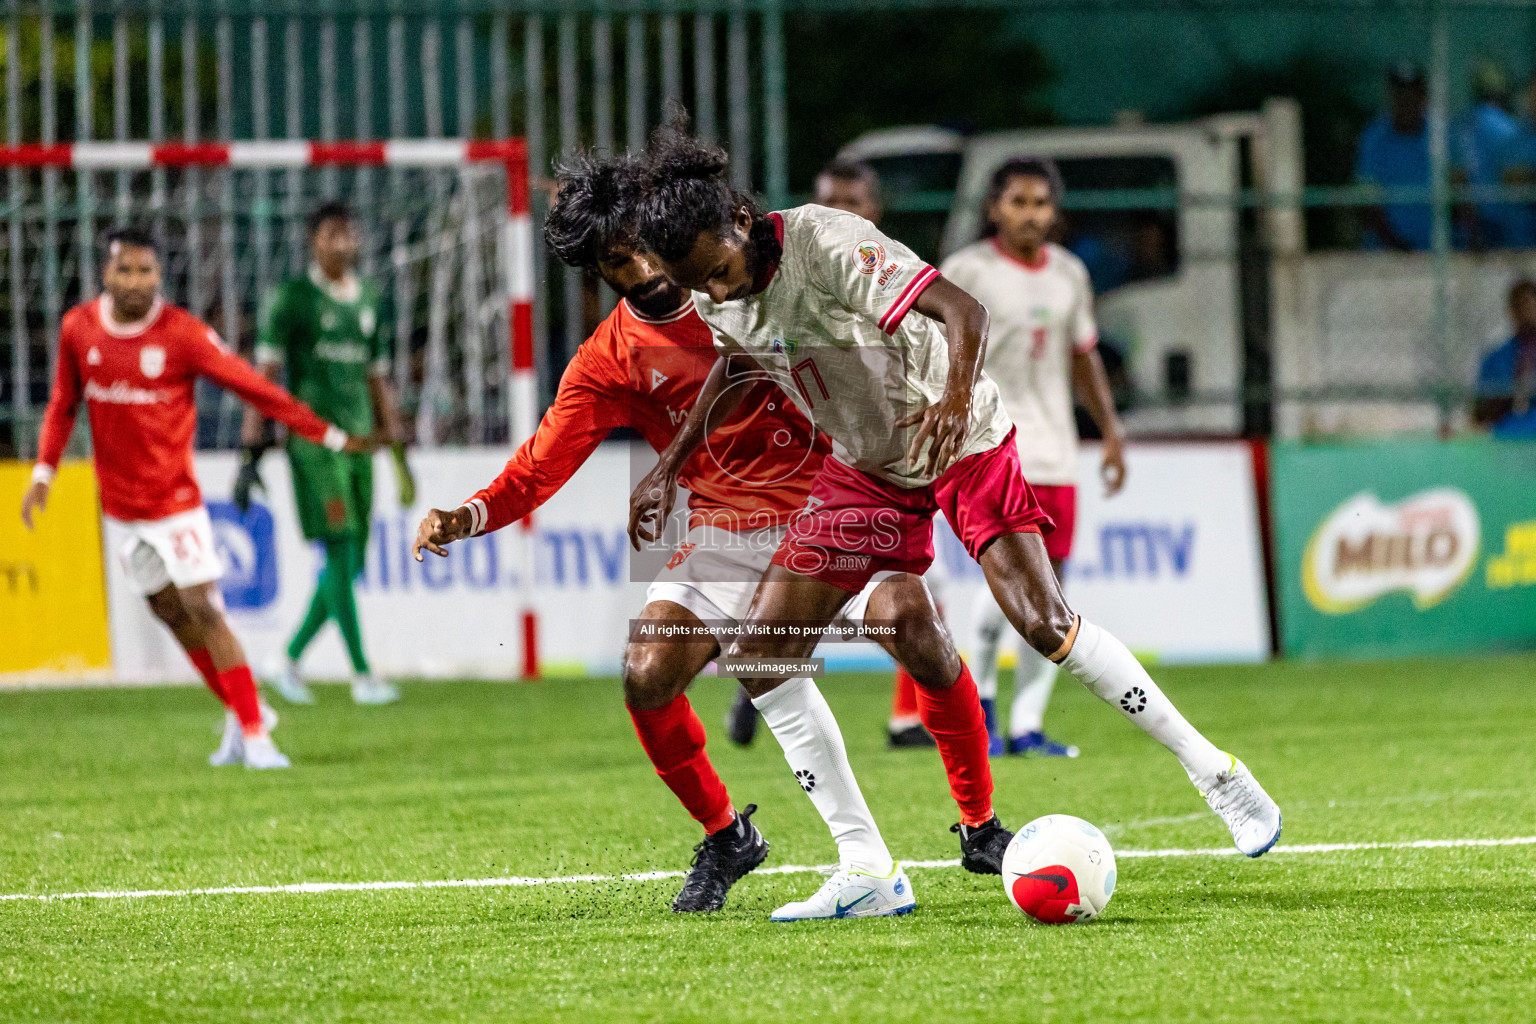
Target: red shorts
[[856, 525], [1060, 503]]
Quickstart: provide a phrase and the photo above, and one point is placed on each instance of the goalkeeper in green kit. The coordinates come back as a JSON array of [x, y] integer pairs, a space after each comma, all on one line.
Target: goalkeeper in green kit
[[323, 329]]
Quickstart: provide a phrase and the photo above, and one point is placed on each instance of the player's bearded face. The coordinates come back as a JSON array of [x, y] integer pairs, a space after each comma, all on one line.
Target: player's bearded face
[[723, 265], [1024, 213], [132, 278], [638, 277], [335, 246]]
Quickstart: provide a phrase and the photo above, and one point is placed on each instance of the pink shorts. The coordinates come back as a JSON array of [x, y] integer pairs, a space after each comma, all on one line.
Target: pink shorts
[[856, 525], [1060, 503]]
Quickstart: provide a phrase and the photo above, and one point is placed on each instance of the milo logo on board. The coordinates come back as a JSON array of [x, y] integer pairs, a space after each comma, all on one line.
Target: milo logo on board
[[1425, 544]]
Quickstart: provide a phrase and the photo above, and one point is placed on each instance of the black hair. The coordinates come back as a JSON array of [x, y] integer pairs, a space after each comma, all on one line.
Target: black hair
[[1040, 167], [852, 170], [1524, 284], [595, 209], [130, 235], [330, 210], [686, 194]]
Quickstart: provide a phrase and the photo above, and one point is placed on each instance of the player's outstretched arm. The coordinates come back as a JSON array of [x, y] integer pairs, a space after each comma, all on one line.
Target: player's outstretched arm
[[440, 528], [943, 425], [229, 371], [651, 502]]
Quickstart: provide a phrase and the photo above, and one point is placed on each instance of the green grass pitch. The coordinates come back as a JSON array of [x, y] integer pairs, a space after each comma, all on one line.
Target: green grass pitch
[[109, 790]]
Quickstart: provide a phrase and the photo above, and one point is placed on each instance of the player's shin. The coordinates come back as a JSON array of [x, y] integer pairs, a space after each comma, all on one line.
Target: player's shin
[[203, 662], [240, 693], [953, 715], [1104, 665], [673, 738], [1034, 677], [801, 721]]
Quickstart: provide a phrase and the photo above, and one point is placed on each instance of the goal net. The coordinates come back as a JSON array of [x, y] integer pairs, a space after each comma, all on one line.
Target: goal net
[[443, 234]]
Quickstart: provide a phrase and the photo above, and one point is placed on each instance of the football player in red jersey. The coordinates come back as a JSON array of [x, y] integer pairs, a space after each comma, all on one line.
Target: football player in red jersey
[[643, 368], [134, 358]]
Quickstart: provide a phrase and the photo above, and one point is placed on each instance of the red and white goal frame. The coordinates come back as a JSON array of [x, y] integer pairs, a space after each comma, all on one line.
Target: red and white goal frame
[[283, 154]]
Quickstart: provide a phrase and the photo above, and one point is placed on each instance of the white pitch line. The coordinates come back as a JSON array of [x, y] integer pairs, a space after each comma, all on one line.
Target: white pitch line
[[513, 882]]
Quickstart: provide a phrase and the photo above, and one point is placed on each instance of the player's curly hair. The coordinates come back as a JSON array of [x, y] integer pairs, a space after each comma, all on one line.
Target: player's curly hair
[[1040, 167], [686, 194], [595, 209]]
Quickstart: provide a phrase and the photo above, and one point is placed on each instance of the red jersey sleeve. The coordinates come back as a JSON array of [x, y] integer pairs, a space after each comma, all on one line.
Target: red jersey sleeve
[[592, 399], [216, 362], [63, 403]]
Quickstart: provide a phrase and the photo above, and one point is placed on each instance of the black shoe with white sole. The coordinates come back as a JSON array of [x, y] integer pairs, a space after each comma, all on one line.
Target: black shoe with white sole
[[982, 846]]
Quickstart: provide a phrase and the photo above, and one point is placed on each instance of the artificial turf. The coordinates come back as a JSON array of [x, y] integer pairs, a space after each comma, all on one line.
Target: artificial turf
[[109, 790]]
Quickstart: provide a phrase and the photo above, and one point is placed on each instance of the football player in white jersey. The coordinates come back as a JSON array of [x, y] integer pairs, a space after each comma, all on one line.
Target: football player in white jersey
[[1043, 342], [822, 298]]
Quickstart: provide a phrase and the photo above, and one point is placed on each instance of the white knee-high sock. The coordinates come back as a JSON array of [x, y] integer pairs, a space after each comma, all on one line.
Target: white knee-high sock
[[1102, 663], [801, 721], [1033, 680], [990, 624]]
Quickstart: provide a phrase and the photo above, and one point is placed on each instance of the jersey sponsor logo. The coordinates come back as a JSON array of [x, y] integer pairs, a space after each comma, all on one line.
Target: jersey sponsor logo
[[120, 392], [886, 275], [1425, 544], [93, 357], [784, 348], [152, 361], [367, 319], [676, 416], [657, 380], [341, 351], [868, 255], [680, 555]]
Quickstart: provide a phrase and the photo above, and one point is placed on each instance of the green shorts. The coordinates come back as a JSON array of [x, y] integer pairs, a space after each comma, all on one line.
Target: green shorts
[[333, 490]]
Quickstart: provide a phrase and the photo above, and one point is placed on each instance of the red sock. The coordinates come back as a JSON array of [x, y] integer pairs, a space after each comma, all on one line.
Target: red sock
[[203, 662], [904, 697], [954, 718], [673, 738], [240, 694]]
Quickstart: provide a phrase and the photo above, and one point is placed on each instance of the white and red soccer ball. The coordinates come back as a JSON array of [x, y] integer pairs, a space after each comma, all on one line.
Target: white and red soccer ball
[[1059, 870]]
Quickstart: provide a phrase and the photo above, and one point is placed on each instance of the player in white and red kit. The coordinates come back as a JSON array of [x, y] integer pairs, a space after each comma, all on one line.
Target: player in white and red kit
[[916, 427], [1043, 341], [643, 368], [134, 359]]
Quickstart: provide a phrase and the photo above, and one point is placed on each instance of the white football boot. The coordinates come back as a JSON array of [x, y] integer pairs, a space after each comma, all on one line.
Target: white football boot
[[1249, 813], [231, 746], [261, 752], [283, 676], [854, 894], [370, 689]]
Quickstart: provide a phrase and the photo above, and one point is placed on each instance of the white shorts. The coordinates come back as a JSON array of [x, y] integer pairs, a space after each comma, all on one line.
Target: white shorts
[[715, 572], [175, 551]]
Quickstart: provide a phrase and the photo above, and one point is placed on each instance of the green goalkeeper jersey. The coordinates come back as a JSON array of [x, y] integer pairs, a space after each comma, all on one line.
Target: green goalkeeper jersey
[[326, 334]]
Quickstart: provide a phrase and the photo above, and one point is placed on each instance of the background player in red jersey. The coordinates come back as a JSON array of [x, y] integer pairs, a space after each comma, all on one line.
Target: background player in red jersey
[[134, 358], [643, 368]]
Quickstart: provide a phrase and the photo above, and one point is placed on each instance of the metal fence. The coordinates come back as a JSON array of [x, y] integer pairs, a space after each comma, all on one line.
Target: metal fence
[[561, 76]]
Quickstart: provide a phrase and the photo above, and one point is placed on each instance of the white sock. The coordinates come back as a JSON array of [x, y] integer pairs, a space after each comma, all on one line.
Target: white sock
[[1033, 680], [989, 625], [801, 721], [1102, 663]]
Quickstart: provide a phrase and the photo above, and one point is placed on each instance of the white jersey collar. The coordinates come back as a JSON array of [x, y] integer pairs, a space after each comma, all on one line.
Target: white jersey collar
[[347, 290], [121, 330]]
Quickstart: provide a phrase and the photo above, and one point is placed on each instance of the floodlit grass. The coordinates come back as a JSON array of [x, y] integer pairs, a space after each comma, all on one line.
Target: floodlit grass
[[108, 790]]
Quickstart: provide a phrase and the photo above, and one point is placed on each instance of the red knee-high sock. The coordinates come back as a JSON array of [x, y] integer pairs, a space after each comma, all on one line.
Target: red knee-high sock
[[954, 718], [904, 698], [203, 662], [673, 738], [240, 694]]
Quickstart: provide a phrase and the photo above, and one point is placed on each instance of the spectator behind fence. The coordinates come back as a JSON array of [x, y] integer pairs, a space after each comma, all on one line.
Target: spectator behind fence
[[1518, 167], [1394, 151], [1482, 141], [851, 186], [1507, 377]]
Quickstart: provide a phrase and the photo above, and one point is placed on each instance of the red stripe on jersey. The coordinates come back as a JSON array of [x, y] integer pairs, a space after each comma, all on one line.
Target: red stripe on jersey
[[892, 318]]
